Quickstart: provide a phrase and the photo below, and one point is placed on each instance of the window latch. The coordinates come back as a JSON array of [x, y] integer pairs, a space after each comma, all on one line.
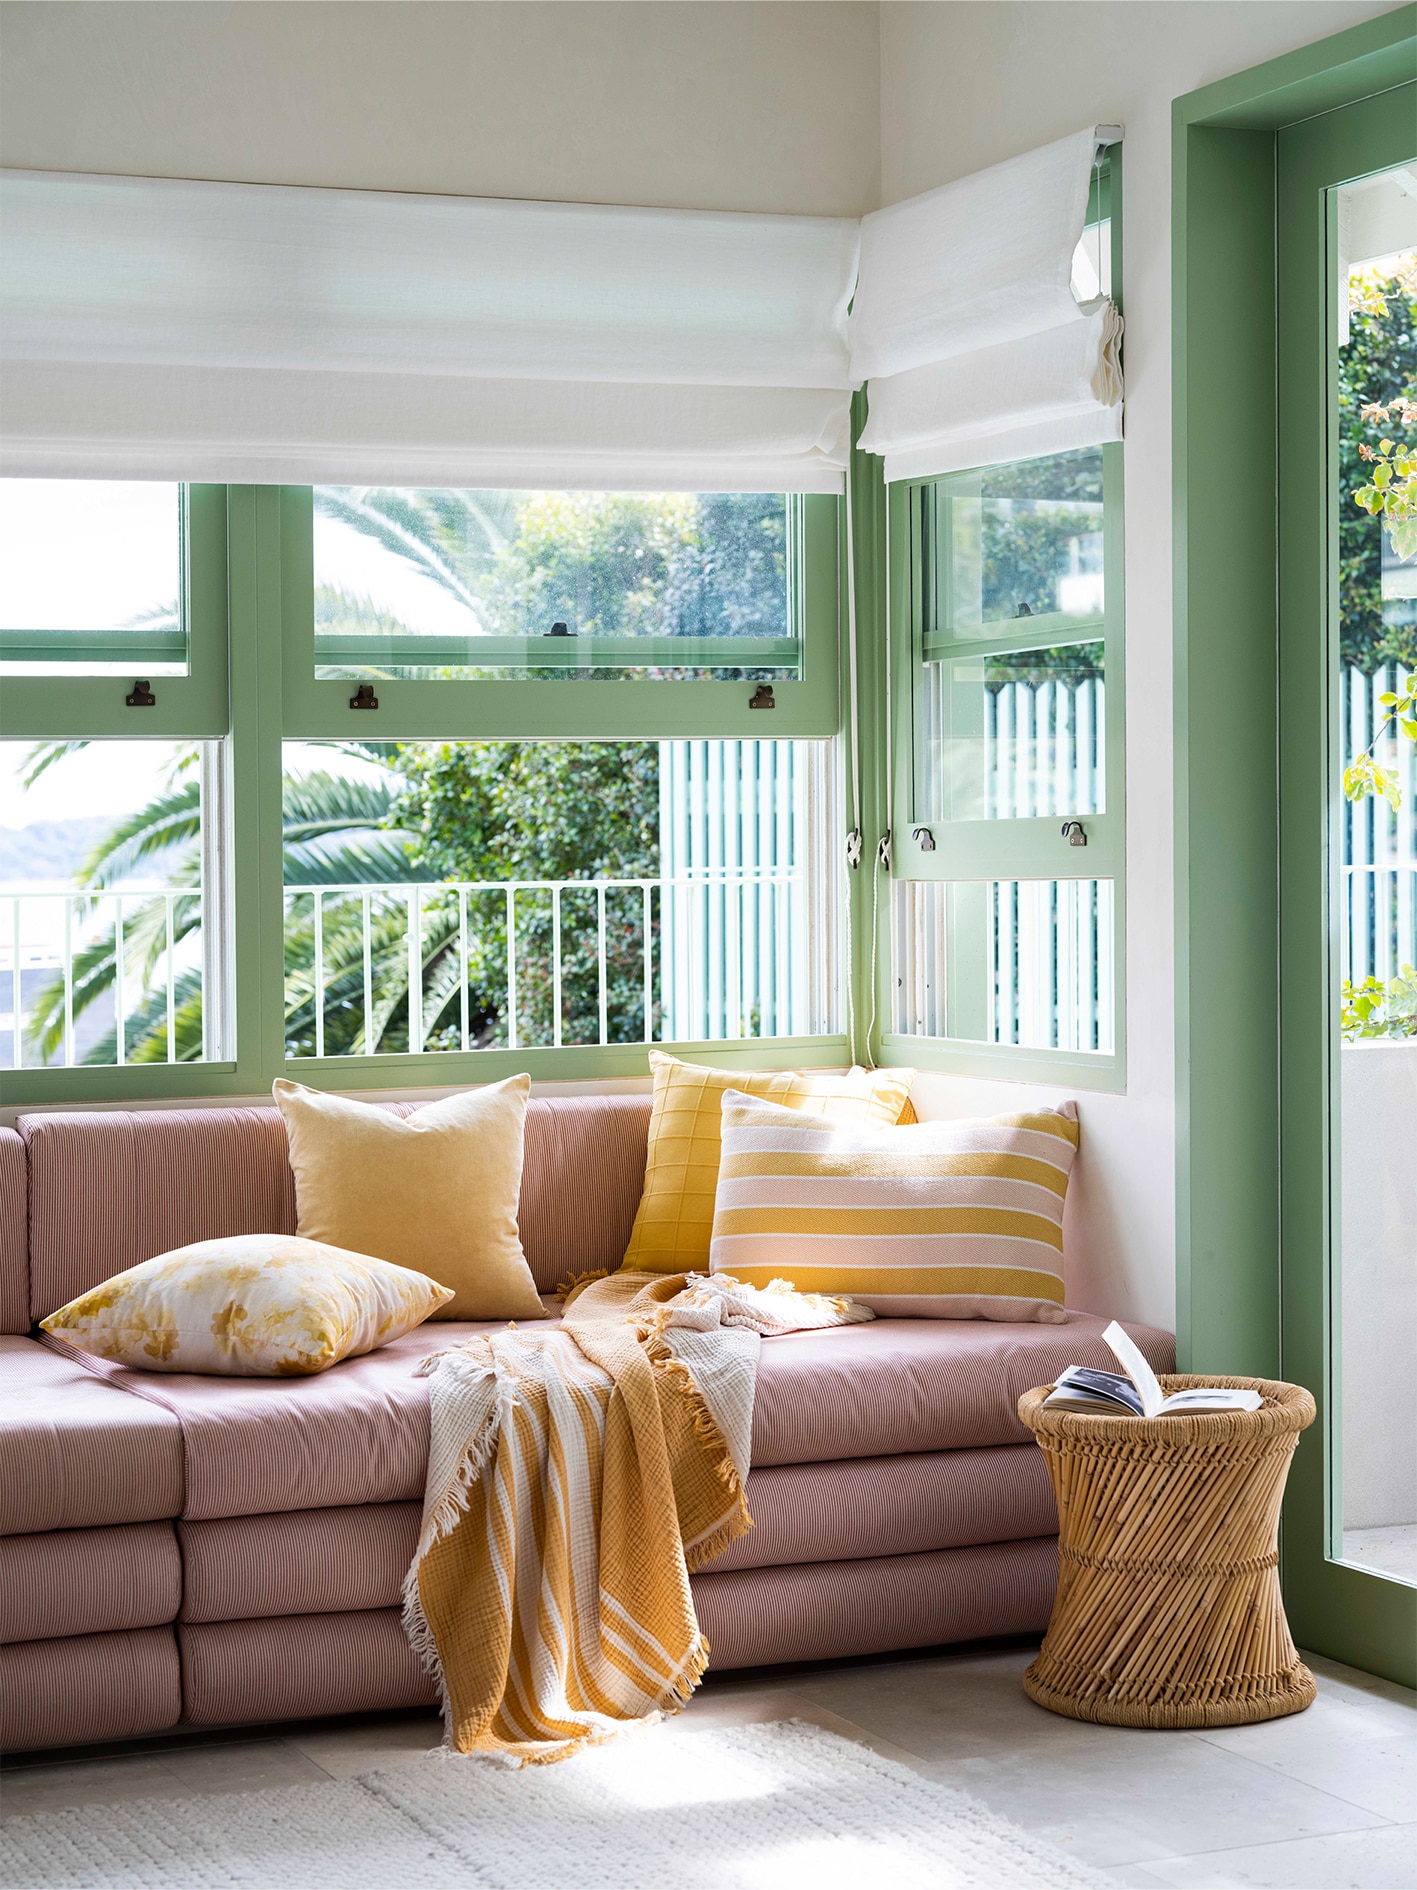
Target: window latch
[[762, 697], [559, 630], [925, 839], [364, 697], [1074, 833], [141, 698]]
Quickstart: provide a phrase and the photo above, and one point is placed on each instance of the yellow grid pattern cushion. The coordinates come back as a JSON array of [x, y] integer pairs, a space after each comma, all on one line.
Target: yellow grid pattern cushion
[[675, 1219], [941, 1220]]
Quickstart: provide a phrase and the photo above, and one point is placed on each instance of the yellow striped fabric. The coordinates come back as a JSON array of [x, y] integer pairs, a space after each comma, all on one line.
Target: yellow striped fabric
[[675, 1218], [934, 1220]]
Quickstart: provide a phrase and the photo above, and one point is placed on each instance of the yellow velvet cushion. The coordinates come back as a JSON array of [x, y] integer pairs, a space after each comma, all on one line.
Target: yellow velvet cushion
[[437, 1190], [252, 1306], [675, 1219]]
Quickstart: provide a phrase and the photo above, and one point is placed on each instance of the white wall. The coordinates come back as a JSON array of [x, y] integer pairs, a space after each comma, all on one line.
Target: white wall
[[718, 106], [964, 86]]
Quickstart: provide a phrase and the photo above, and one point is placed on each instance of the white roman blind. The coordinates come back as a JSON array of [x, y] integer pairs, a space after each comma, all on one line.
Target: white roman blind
[[965, 326], [158, 328]]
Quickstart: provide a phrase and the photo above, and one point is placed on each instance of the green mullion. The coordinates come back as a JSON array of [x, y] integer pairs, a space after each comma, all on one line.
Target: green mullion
[[867, 891]]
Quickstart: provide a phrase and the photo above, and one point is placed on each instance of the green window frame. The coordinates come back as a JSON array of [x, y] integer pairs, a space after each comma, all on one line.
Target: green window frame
[[252, 686], [968, 853]]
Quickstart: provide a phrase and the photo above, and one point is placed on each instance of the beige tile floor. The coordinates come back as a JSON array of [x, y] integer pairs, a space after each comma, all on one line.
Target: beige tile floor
[[1323, 1801]]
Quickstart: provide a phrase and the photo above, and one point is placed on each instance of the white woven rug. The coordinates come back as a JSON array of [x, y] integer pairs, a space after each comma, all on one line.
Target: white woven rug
[[778, 1807]]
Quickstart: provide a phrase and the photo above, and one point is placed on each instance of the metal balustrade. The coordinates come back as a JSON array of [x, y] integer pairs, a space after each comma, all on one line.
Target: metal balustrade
[[61, 924], [368, 946]]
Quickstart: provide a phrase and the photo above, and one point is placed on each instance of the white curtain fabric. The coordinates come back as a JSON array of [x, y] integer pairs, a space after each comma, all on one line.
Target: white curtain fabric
[[166, 329], [965, 326]]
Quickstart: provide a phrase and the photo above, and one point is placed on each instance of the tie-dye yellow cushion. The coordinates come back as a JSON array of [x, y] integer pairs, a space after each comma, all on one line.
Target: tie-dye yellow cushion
[[252, 1306]]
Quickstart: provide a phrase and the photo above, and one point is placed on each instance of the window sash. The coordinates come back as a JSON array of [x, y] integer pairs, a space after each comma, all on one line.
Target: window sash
[[973, 851], [194, 706], [317, 709]]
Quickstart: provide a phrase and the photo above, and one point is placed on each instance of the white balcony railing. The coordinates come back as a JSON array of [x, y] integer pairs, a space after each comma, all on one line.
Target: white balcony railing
[[709, 953], [49, 939]]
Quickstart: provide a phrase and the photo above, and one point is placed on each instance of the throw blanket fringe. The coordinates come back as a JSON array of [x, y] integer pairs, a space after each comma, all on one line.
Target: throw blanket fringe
[[575, 1478]]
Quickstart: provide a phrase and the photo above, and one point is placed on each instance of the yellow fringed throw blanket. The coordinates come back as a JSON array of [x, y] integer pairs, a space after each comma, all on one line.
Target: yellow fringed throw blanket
[[575, 1478]]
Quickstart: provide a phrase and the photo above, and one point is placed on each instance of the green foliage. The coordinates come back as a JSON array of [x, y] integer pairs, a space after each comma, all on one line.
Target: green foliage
[[1375, 1009], [1391, 492], [607, 564], [1364, 775], [1045, 504], [535, 811], [1376, 369], [337, 830]]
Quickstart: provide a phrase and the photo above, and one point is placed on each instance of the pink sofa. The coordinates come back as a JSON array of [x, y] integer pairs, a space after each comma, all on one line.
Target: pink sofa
[[213, 1551]]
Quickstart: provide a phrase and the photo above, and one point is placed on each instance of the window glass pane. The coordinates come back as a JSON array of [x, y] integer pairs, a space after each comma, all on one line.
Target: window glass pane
[[91, 578], [1018, 541], [1026, 962], [545, 893], [1012, 737], [101, 913], [555, 585], [1374, 996]]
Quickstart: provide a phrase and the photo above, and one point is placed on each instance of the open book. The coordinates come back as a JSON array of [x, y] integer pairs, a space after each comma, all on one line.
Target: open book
[[1111, 1394]]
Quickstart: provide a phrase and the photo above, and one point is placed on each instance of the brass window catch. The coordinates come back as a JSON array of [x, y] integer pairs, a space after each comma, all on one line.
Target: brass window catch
[[1074, 833], [141, 698], [925, 838], [364, 697], [762, 697]]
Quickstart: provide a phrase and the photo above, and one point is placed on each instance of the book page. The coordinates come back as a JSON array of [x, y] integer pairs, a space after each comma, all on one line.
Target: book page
[[1136, 1368]]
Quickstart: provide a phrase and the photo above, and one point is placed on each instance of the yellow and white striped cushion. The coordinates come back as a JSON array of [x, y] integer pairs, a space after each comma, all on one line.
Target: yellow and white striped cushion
[[935, 1220]]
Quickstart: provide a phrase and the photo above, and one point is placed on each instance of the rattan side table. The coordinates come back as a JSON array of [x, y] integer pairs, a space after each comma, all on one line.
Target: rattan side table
[[1168, 1611]]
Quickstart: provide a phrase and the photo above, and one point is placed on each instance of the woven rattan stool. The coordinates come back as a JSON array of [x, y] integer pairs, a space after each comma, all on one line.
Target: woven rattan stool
[[1168, 1611]]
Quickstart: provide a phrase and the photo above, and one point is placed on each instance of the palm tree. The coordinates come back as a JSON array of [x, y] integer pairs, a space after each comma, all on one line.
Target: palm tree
[[338, 830]]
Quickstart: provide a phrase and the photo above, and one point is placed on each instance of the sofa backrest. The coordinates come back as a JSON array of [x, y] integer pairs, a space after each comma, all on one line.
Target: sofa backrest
[[14, 1272], [110, 1188]]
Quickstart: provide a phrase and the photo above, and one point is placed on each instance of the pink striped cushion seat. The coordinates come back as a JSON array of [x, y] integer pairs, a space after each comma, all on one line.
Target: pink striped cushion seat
[[359, 1432], [758, 1617], [917, 1384], [297, 1665], [77, 1452], [337, 1560], [87, 1581], [88, 1687]]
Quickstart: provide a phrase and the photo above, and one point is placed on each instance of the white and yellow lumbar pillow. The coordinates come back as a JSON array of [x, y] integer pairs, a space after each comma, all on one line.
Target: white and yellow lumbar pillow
[[251, 1306], [935, 1220]]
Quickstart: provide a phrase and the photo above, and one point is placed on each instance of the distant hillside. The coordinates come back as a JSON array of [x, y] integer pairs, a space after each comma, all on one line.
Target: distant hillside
[[49, 849]]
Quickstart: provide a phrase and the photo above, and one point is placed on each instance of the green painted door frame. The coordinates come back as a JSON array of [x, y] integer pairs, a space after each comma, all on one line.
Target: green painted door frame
[[1361, 1618], [1249, 1295]]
